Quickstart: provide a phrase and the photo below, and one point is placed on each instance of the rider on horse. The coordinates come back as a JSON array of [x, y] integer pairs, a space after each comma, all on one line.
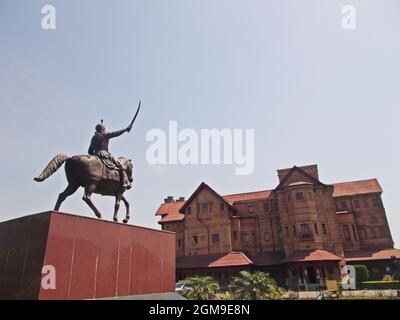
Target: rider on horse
[[99, 148]]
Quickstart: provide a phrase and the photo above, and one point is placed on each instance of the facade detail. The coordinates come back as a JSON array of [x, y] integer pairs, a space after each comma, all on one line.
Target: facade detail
[[302, 232]]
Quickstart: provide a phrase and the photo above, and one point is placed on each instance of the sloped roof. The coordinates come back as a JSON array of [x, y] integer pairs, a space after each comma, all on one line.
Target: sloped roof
[[384, 254], [311, 255], [213, 260], [256, 195], [356, 187], [170, 211]]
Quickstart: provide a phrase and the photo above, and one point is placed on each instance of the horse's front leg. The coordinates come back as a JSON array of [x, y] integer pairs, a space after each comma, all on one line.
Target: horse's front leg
[[118, 198], [127, 209]]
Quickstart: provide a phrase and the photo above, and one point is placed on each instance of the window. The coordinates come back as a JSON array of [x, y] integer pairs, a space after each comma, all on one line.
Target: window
[[195, 240], [204, 207], [253, 236], [189, 210], [287, 232], [267, 237], [266, 206], [288, 197], [221, 206], [357, 204], [310, 195], [305, 230], [234, 235], [365, 203], [275, 204], [316, 228], [250, 209], [299, 196], [294, 230], [362, 234], [346, 233], [179, 243], [324, 230], [374, 219], [245, 237], [215, 238], [343, 205], [375, 202]]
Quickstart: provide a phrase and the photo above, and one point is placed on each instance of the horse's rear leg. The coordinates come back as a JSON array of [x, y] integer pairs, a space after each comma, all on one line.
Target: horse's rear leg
[[63, 195], [127, 209], [86, 197]]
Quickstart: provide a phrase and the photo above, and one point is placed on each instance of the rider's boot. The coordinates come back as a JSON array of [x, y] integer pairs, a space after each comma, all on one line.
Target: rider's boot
[[123, 179]]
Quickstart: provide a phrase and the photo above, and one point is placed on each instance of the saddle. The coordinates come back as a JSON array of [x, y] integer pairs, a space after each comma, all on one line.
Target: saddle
[[110, 171]]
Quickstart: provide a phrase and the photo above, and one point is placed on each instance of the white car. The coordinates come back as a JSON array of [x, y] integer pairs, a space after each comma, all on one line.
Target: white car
[[179, 287]]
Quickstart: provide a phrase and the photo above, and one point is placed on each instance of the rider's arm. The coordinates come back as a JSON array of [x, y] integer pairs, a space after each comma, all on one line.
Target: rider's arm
[[116, 133]]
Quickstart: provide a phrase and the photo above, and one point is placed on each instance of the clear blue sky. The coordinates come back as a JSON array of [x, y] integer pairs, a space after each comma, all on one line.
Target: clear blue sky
[[313, 92]]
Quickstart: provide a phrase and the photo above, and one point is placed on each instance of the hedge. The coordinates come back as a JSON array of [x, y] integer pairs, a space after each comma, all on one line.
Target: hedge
[[378, 285]]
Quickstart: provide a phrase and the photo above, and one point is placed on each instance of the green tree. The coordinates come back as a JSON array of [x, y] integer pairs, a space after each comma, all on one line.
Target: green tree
[[255, 286], [200, 288], [362, 273]]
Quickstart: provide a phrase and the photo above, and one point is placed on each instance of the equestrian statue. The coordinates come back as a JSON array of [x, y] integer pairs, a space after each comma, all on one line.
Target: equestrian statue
[[98, 172]]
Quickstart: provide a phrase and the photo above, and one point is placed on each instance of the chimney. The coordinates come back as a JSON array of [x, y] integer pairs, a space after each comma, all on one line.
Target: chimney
[[180, 199], [169, 199]]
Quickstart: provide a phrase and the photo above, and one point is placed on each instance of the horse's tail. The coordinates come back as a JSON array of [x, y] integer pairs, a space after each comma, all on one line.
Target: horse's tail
[[52, 167]]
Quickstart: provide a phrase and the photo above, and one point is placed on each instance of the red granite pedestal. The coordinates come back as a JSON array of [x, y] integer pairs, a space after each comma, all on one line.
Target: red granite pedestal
[[91, 258]]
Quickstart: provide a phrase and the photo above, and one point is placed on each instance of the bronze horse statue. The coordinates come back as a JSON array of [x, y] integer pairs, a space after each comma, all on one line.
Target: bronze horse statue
[[94, 176]]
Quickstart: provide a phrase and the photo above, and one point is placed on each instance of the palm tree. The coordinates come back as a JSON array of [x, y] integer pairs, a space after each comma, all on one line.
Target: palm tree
[[200, 288], [255, 286]]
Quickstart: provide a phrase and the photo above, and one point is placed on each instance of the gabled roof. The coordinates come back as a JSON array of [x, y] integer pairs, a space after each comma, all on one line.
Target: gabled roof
[[197, 191], [384, 254], [295, 168], [356, 187], [311, 255]]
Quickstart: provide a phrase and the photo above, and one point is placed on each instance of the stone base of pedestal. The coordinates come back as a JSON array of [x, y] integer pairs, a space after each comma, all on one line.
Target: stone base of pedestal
[[83, 258]]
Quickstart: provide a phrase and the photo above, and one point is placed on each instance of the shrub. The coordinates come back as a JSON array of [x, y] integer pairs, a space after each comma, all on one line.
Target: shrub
[[200, 288], [362, 273], [255, 286]]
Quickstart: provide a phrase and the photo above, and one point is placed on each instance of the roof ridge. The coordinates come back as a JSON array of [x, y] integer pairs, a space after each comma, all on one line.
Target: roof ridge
[[240, 193]]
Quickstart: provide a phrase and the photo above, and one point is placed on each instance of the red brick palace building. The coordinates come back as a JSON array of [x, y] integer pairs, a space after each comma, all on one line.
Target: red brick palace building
[[301, 232]]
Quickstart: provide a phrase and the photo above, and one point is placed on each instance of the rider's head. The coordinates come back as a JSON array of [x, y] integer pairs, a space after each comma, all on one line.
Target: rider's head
[[101, 127]]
